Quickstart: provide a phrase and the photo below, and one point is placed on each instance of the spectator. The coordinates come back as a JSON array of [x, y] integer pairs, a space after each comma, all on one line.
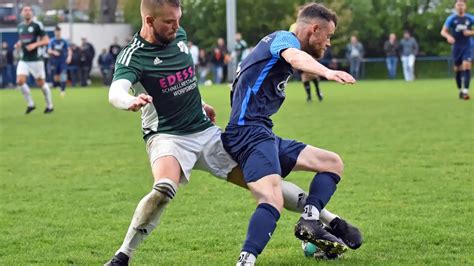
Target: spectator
[[74, 66], [409, 50], [354, 53], [391, 51], [240, 47], [219, 60], [194, 51], [106, 61], [8, 73], [114, 49], [3, 65], [87, 56], [203, 66]]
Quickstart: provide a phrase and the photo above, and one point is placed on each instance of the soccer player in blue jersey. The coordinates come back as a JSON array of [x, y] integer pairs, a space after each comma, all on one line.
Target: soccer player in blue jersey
[[457, 30], [60, 56], [258, 93]]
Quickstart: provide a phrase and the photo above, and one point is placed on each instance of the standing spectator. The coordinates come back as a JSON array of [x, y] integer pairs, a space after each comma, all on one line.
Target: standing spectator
[[10, 74], [217, 61], [106, 61], [73, 67], [409, 50], [114, 49], [240, 46], [194, 51], [203, 67], [355, 53], [3, 66], [391, 51], [87, 57]]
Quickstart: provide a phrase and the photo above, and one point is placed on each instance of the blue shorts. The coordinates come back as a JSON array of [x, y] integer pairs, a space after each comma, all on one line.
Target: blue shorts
[[461, 54], [58, 68], [259, 152]]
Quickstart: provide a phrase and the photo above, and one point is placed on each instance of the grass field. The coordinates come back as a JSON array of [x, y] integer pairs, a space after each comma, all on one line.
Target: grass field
[[70, 181]]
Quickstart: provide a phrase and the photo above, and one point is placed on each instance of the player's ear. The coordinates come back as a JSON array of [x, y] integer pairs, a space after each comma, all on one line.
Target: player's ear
[[315, 28], [149, 20]]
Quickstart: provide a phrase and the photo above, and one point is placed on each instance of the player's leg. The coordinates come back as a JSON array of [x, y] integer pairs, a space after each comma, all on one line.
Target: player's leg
[[307, 86], [166, 173], [466, 63], [62, 78], [171, 163], [292, 156], [38, 72], [458, 70], [329, 167], [262, 224], [22, 73], [318, 90]]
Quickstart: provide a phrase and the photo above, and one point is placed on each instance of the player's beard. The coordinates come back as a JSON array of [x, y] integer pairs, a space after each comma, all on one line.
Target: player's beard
[[162, 39]]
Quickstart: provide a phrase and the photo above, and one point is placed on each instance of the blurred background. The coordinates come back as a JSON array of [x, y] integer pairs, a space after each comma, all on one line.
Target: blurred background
[[102, 23]]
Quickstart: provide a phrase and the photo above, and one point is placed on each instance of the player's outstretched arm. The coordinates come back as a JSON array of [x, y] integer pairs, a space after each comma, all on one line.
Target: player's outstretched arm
[[119, 97], [306, 63]]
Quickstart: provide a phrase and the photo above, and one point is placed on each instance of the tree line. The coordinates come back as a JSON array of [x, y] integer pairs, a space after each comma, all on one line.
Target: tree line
[[370, 20]]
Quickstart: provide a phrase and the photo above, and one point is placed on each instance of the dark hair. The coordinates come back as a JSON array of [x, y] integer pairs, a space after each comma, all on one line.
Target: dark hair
[[313, 10], [57, 28]]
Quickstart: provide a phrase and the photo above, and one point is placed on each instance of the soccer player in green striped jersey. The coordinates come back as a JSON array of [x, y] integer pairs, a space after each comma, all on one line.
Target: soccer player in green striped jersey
[[177, 126], [31, 38]]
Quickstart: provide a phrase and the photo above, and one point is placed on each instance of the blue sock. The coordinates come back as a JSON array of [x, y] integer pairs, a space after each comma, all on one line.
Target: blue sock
[[467, 78], [321, 189], [63, 86], [459, 78], [261, 226]]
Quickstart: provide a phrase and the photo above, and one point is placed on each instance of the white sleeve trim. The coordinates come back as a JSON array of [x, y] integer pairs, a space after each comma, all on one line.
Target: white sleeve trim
[[118, 94]]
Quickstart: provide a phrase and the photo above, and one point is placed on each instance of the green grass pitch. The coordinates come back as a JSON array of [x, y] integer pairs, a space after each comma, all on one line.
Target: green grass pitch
[[70, 181]]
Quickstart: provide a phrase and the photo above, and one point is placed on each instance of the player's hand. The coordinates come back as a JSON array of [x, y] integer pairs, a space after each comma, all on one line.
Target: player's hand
[[468, 33], [340, 77], [140, 101], [450, 40], [210, 112], [30, 47]]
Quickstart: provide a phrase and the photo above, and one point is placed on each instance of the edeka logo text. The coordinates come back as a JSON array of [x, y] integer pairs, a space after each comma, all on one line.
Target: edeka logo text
[[177, 77]]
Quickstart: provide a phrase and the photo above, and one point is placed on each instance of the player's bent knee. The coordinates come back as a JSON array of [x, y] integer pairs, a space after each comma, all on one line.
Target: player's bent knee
[[334, 163], [153, 204], [270, 198], [165, 190]]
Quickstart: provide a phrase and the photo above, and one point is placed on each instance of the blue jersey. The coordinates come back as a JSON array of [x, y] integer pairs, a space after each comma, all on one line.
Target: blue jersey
[[259, 88], [61, 46], [457, 24]]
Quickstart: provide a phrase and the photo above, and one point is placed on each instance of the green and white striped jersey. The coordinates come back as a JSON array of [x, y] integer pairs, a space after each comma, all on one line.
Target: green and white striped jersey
[[30, 33], [167, 74]]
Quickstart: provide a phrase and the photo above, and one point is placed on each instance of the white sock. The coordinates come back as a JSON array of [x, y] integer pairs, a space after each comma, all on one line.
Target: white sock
[[246, 259], [464, 91], [327, 217], [147, 215], [47, 96], [25, 90], [294, 197], [310, 213]]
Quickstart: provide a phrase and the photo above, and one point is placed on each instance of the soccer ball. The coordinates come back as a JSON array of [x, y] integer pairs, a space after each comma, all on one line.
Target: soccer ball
[[308, 249], [312, 251]]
